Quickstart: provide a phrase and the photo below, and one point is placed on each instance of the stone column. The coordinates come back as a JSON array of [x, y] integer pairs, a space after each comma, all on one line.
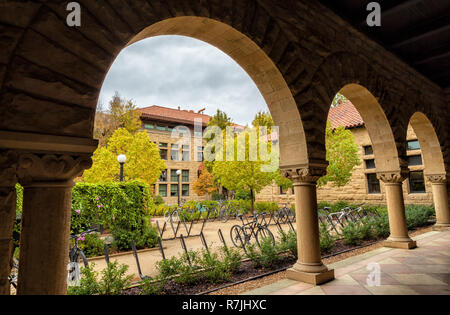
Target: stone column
[[399, 237], [44, 242], [309, 267], [440, 198], [8, 179]]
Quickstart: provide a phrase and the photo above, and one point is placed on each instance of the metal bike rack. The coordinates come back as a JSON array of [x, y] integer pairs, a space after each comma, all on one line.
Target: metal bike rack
[[135, 254], [222, 239], [205, 244], [161, 249], [183, 245], [105, 250]]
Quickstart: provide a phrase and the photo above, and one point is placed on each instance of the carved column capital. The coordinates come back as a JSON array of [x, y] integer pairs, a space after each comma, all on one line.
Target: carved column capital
[[305, 174], [50, 167], [437, 178], [8, 168], [393, 177]]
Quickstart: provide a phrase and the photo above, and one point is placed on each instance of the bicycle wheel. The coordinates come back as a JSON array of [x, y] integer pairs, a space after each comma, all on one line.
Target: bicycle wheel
[[237, 235], [14, 273], [166, 215], [264, 233], [175, 216]]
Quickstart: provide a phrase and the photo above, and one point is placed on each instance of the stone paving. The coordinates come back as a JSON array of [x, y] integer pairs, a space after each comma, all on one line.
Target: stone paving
[[424, 270]]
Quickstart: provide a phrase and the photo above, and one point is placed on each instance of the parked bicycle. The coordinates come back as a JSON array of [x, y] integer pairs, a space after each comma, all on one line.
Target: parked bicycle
[[77, 257], [243, 234]]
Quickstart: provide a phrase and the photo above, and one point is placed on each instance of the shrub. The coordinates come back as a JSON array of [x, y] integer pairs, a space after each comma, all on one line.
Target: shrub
[[92, 245], [288, 242], [158, 200], [351, 234], [215, 270], [151, 286], [418, 215], [243, 195], [266, 206], [147, 236], [266, 256], [232, 258], [113, 281], [168, 267], [326, 239]]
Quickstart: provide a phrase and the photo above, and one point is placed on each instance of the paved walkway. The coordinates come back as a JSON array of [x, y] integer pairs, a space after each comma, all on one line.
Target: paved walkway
[[424, 270]]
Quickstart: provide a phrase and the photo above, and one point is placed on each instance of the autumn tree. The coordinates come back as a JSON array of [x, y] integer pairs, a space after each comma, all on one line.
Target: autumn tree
[[205, 183], [121, 113], [143, 160]]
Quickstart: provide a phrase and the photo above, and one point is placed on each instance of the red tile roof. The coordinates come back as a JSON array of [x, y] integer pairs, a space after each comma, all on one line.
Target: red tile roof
[[174, 115], [346, 115]]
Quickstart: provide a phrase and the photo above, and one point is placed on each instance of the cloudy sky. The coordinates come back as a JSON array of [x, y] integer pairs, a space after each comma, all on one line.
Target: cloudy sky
[[177, 71]]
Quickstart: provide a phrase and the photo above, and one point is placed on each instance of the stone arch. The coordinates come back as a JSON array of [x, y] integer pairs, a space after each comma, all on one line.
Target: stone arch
[[65, 82], [353, 77], [258, 66], [431, 149]]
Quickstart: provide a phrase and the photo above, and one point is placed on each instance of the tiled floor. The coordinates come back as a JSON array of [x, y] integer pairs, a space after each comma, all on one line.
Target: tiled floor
[[424, 270]]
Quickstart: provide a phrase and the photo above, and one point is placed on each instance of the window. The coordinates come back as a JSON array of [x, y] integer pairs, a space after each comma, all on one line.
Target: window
[[283, 191], [173, 176], [163, 190], [174, 190], [185, 190], [414, 160], [163, 150], [368, 150], [413, 145], [370, 164], [416, 182], [163, 177], [373, 184], [170, 128], [199, 154], [185, 176], [149, 126], [174, 152], [159, 127], [186, 153]]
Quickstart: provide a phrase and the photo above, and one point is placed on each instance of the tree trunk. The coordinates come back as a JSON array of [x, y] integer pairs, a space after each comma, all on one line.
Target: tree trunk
[[252, 202]]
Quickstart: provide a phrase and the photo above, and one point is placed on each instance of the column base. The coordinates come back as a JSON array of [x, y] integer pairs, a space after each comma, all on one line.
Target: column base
[[441, 227], [315, 278], [402, 245]]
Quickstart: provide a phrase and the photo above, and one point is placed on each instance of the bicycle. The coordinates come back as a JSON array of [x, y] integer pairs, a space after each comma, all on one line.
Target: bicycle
[[171, 215], [242, 234], [77, 256]]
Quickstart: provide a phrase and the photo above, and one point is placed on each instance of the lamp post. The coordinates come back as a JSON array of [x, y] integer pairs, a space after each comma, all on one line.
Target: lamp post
[[179, 187], [121, 159]]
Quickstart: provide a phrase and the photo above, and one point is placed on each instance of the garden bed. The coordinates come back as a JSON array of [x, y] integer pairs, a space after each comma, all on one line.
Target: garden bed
[[246, 271]]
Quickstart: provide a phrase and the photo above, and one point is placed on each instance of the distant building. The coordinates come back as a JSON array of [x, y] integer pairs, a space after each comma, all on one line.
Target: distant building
[[364, 185], [187, 156]]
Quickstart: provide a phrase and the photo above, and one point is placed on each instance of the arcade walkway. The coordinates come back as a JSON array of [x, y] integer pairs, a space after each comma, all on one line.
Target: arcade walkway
[[424, 270]]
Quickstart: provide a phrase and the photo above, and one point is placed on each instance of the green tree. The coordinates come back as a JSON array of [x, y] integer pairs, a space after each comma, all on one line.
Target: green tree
[[143, 160], [263, 119], [220, 119], [342, 155]]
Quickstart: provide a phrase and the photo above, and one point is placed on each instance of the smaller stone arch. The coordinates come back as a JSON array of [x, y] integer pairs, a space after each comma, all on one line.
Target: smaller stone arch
[[433, 161]]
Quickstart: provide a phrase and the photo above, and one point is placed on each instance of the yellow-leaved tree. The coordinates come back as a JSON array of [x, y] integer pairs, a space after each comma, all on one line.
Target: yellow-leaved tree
[[143, 160]]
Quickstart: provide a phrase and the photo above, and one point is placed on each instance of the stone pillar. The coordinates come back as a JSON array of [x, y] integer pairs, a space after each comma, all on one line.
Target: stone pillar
[[44, 242], [440, 198], [309, 267], [399, 237], [8, 179]]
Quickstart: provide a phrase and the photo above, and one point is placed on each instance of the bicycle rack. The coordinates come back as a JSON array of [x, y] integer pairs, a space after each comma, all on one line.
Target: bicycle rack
[[222, 239], [202, 237], [183, 245], [135, 254], [105, 250], [161, 249]]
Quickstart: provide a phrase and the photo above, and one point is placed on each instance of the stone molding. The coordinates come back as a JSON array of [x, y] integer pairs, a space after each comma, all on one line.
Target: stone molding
[[305, 174], [50, 167], [437, 178], [393, 177]]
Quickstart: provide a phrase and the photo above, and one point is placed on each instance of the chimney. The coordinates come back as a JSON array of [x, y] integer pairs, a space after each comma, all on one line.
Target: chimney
[[179, 108], [201, 111]]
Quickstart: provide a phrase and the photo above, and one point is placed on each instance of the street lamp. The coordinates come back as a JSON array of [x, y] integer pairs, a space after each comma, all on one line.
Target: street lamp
[[121, 159], [179, 187]]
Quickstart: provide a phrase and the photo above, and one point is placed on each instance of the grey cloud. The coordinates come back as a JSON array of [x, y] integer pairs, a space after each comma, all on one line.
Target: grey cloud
[[177, 71]]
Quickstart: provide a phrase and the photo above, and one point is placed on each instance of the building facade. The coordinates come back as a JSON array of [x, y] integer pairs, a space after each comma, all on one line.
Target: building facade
[[178, 135], [363, 185]]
